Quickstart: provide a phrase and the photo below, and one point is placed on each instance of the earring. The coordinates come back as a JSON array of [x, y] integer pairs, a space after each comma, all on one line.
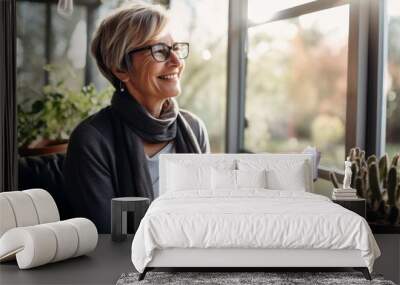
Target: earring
[[121, 87]]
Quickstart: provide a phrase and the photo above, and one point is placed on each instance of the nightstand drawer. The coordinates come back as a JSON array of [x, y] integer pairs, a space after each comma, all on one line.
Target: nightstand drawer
[[357, 206]]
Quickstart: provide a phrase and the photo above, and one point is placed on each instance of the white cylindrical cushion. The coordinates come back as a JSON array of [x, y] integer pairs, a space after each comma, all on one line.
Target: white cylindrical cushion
[[7, 218], [87, 234], [23, 208], [67, 239], [45, 206], [37, 245], [33, 246]]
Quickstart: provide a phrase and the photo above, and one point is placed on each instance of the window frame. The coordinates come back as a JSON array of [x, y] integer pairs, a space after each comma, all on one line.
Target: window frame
[[8, 102], [365, 106], [236, 76], [377, 57]]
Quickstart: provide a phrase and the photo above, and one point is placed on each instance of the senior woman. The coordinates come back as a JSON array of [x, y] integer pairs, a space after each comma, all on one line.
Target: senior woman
[[114, 152]]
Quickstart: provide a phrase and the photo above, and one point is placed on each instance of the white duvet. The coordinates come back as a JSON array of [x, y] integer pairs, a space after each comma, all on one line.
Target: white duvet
[[252, 218]]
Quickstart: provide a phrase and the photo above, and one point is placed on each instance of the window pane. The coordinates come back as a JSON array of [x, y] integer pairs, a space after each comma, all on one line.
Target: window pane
[[261, 10], [30, 48], [296, 85], [204, 24], [68, 46], [392, 79]]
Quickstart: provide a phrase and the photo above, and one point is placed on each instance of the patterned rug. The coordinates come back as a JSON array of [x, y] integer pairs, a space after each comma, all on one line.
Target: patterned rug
[[243, 278]]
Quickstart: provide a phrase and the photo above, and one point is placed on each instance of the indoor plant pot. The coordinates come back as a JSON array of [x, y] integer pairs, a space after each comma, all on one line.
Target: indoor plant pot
[[43, 147]]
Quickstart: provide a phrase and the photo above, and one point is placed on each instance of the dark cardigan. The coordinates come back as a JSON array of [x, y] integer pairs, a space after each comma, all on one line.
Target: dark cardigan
[[90, 166]]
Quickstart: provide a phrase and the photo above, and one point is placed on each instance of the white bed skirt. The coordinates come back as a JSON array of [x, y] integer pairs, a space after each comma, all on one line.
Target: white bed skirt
[[235, 257]]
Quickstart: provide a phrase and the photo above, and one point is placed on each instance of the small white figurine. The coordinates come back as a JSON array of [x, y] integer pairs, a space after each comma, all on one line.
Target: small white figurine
[[347, 174]]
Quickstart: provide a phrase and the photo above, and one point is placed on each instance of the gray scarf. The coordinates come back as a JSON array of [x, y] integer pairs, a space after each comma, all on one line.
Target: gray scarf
[[132, 124]]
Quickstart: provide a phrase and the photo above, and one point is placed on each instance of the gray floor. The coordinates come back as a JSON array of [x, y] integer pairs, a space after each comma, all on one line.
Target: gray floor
[[106, 264], [103, 266]]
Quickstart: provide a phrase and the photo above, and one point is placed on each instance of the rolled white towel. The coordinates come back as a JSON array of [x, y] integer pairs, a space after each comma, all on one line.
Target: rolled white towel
[[26, 208], [33, 246], [7, 218], [23, 208], [87, 234], [67, 240], [40, 244], [45, 205]]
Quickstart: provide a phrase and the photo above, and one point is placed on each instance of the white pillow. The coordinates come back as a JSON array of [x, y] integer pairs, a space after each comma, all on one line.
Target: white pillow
[[251, 178], [183, 177], [227, 179], [282, 174], [223, 179], [278, 180]]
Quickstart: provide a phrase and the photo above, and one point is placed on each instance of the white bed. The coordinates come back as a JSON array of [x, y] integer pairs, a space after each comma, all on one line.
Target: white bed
[[198, 223]]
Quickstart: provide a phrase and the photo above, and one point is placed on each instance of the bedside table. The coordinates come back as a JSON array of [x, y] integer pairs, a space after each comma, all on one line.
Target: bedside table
[[358, 205], [119, 208]]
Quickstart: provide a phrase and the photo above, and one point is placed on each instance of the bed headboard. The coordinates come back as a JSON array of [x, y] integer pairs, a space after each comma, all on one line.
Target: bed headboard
[[237, 161]]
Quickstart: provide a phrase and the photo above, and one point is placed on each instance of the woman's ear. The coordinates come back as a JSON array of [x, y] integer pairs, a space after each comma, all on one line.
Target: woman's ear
[[120, 74], [124, 72]]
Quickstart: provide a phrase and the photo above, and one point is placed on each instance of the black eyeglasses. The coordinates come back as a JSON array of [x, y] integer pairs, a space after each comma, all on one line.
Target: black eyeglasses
[[161, 52]]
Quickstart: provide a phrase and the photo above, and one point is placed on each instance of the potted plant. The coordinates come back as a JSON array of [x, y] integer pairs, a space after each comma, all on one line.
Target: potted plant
[[45, 123], [378, 181]]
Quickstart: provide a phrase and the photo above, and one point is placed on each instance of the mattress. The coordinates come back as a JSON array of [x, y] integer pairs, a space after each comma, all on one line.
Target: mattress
[[250, 219]]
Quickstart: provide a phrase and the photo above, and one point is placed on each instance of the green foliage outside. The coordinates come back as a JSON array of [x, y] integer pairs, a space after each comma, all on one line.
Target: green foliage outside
[[296, 89], [393, 94]]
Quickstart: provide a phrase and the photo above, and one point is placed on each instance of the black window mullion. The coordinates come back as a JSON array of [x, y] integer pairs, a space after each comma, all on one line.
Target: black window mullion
[[8, 102], [376, 104], [48, 36], [90, 24], [236, 79], [357, 75]]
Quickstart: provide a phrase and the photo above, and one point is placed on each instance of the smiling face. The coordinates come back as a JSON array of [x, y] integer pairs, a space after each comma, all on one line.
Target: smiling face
[[150, 78]]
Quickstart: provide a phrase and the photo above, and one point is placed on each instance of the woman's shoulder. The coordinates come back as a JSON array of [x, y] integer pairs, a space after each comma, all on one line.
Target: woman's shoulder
[[199, 129], [195, 122], [94, 127], [191, 118]]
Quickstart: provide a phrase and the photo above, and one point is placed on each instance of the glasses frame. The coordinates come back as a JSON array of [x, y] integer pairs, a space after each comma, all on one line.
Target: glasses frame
[[170, 48]]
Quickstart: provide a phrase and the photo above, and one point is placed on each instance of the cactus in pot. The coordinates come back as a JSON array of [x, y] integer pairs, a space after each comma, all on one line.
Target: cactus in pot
[[378, 181]]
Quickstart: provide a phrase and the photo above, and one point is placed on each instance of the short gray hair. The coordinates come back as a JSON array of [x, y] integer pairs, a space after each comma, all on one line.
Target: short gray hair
[[124, 29]]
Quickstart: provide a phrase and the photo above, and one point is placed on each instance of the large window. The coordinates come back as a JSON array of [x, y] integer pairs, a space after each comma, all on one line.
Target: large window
[[297, 83], [52, 67], [392, 78], [304, 63]]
